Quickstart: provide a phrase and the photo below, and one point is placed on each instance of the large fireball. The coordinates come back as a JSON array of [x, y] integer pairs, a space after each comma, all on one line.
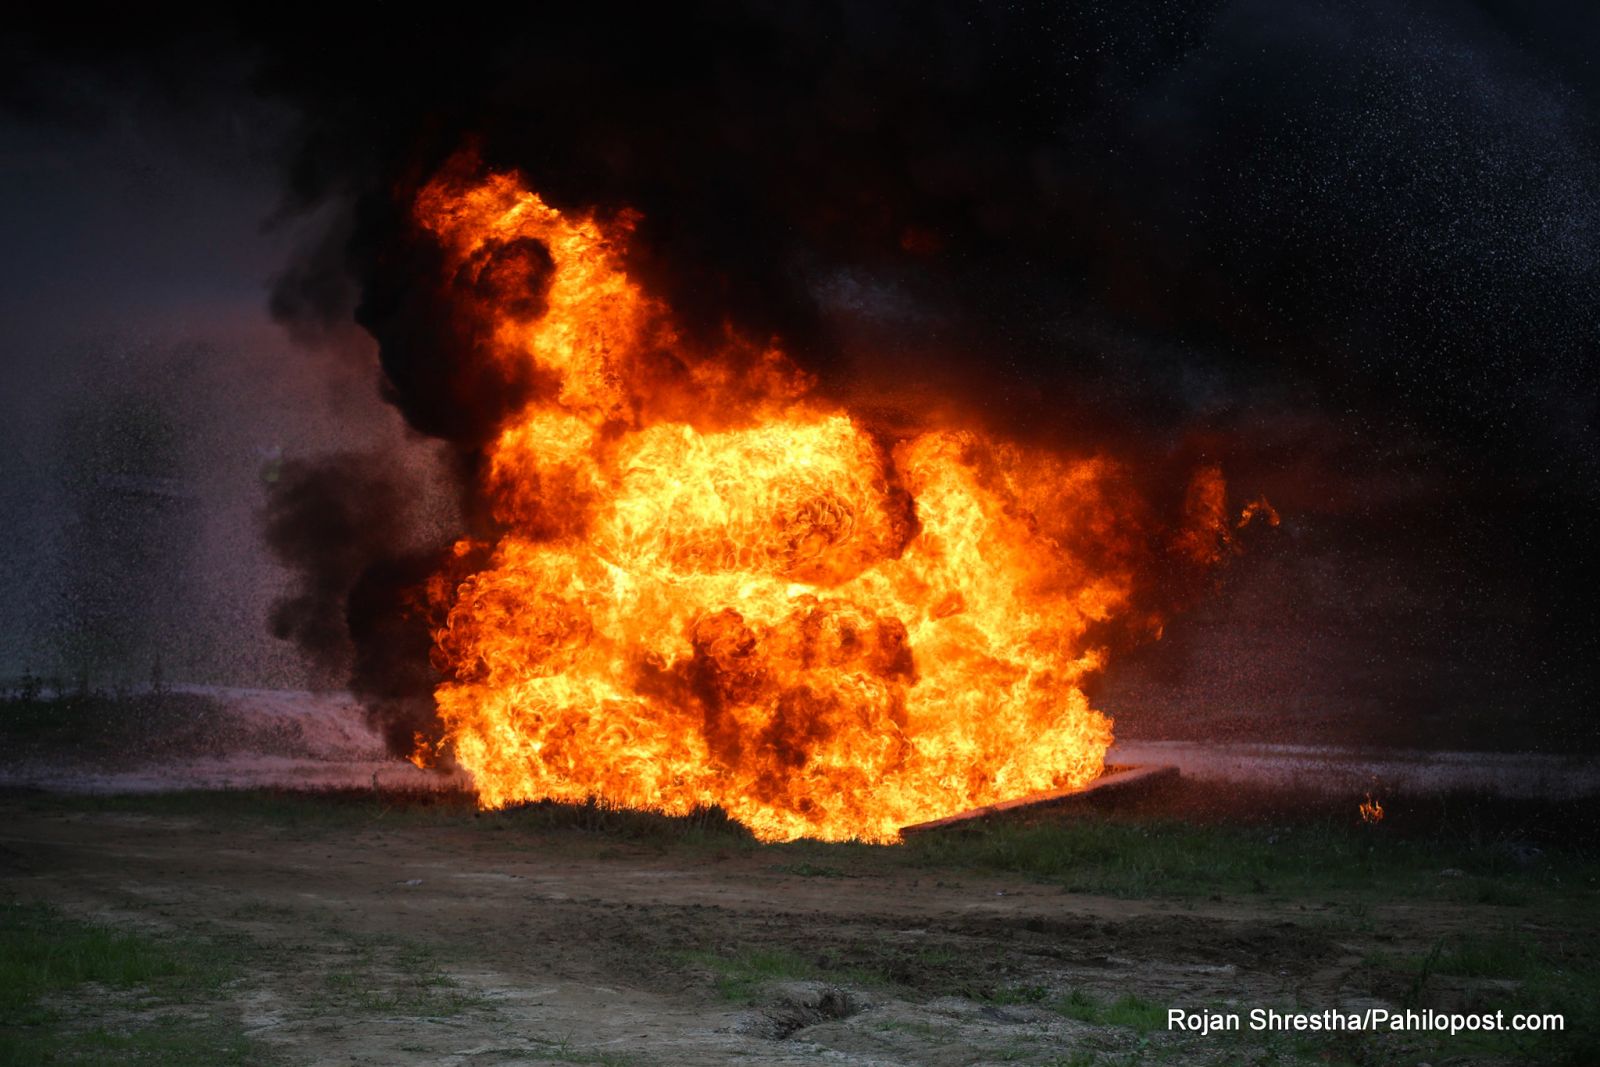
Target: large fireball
[[713, 588]]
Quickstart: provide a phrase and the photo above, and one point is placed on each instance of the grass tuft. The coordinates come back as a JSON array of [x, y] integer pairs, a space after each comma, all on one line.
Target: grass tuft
[[741, 975], [55, 977], [1130, 1010]]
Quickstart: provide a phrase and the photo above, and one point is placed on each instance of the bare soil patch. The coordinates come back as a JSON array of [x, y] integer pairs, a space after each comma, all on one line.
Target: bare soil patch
[[376, 936]]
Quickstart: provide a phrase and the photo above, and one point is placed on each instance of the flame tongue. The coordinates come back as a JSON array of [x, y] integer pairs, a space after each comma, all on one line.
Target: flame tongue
[[715, 589]]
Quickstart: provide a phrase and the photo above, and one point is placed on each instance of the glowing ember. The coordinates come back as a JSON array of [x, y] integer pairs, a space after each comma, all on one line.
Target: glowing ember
[[1371, 810], [713, 587]]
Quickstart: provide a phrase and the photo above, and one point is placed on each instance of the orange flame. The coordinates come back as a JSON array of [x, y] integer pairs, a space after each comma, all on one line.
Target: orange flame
[[714, 588], [1371, 810]]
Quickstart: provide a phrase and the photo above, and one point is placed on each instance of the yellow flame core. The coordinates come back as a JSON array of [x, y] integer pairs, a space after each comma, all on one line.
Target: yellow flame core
[[717, 589]]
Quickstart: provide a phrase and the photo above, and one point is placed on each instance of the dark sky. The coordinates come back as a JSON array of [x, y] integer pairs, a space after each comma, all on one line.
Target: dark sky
[[1349, 250]]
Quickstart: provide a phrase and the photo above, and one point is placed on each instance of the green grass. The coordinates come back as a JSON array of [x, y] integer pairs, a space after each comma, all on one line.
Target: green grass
[[741, 975], [1348, 873], [298, 810], [810, 870], [1167, 858], [1497, 955], [1326, 860], [387, 976], [316, 812], [73, 992], [170, 1042], [1470, 972], [1092, 853], [425, 996], [1130, 1011], [40, 953], [1019, 994]]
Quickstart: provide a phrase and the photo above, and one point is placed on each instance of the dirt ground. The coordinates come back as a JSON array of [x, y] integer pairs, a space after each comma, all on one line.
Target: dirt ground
[[459, 941]]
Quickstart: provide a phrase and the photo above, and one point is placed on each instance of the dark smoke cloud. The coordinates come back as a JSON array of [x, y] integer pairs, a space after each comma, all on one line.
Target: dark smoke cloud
[[435, 347], [1347, 250], [1378, 200], [329, 520], [345, 527]]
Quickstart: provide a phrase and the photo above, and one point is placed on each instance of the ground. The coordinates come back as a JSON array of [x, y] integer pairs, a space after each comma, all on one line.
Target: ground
[[373, 929]]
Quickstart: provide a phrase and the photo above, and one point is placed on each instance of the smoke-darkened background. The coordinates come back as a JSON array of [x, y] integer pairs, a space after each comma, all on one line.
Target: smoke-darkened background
[[1347, 251]]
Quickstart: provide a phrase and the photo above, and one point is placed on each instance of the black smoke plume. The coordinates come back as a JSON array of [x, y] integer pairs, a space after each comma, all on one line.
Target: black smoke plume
[[344, 526], [1348, 252], [1219, 232]]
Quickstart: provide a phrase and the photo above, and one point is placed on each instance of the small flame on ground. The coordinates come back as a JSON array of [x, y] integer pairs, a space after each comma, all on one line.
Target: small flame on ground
[[1371, 810]]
